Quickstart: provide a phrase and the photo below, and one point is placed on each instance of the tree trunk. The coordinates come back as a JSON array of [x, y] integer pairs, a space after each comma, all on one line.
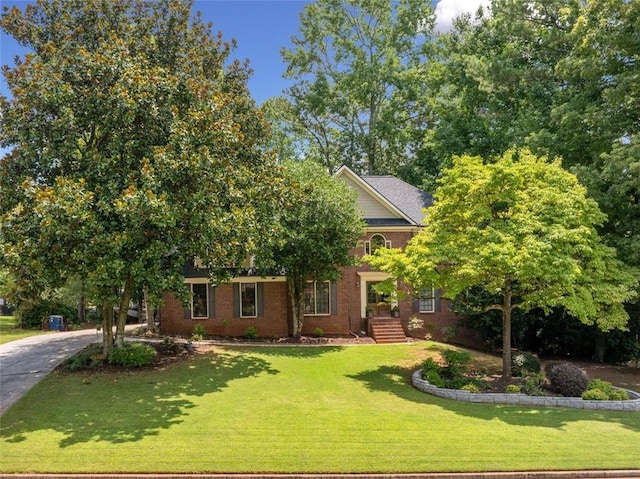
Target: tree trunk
[[81, 304], [296, 295], [149, 310], [107, 327], [506, 330], [125, 298]]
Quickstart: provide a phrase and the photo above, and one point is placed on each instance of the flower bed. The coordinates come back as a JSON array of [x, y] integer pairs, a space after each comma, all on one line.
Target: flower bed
[[633, 404]]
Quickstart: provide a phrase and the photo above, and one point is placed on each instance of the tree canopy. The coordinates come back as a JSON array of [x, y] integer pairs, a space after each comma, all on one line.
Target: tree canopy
[[135, 146], [319, 227], [353, 67], [522, 228]]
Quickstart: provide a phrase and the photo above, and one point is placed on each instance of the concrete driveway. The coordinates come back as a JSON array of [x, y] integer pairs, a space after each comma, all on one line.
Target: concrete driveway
[[25, 362]]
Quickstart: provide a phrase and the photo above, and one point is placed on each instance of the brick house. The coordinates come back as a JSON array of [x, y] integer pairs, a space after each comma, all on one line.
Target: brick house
[[393, 212]]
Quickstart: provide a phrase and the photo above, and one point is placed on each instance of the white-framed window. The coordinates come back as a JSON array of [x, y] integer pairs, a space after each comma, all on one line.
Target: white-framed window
[[426, 300], [199, 300], [376, 241], [248, 300], [317, 298]]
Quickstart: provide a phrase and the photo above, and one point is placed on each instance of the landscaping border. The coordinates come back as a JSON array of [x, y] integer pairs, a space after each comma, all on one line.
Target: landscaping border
[[633, 404]]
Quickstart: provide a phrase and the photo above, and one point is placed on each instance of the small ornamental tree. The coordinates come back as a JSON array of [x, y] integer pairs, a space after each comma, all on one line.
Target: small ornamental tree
[[319, 226], [134, 146], [520, 228]]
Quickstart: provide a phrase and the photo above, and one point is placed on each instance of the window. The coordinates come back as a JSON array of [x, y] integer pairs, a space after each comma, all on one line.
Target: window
[[377, 241], [317, 297], [248, 300], [426, 300], [200, 301]]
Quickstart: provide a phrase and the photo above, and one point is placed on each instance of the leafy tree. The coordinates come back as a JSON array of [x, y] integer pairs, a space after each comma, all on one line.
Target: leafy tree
[[319, 226], [135, 146], [520, 228], [353, 68]]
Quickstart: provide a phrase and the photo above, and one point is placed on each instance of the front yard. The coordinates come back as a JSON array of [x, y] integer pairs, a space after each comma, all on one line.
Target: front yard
[[295, 409]]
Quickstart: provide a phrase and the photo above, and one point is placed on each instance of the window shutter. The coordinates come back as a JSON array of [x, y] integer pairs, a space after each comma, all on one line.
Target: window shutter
[[187, 313], [212, 301], [367, 247], [236, 300], [416, 305], [260, 298], [334, 298], [437, 301]]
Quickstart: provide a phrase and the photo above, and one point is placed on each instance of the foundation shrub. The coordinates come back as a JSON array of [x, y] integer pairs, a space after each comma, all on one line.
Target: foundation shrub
[[566, 379], [599, 390], [132, 355]]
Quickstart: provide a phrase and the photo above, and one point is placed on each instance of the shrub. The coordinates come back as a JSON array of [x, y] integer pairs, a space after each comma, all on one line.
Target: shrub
[[90, 357], [198, 332], [566, 379], [456, 363], [433, 377], [318, 332], [168, 347], [599, 390], [534, 384], [251, 333], [471, 387], [524, 363], [32, 317], [513, 389], [132, 355]]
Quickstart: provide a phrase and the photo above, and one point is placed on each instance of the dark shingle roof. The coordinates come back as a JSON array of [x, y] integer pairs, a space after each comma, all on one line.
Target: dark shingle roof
[[407, 198]]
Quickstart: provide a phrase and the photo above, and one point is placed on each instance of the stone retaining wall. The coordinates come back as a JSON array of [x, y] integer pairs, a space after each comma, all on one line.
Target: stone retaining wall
[[633, 404]]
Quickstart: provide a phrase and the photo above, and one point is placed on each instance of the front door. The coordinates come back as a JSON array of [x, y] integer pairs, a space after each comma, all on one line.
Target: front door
[[377, 302]]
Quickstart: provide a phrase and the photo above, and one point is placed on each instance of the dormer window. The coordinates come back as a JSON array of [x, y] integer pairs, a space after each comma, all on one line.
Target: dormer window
[[375, 242]]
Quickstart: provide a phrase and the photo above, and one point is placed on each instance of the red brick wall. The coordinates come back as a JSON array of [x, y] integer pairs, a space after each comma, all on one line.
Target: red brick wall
[[275, 322], [272, 324]]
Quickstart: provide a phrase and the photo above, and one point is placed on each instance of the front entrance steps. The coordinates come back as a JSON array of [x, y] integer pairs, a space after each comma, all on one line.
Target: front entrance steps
[[387, 330]]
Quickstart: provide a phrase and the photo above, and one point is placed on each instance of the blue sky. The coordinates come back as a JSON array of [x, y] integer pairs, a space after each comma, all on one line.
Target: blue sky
[[260, 27]]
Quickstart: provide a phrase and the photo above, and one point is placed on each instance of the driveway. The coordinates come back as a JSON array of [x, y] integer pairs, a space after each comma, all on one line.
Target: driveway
[[25, 362]]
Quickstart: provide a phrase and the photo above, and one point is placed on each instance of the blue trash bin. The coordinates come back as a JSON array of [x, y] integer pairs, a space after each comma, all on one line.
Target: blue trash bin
[[56, 323]]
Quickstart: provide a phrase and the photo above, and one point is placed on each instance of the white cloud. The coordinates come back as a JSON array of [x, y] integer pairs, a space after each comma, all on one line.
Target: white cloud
[[448, 10]]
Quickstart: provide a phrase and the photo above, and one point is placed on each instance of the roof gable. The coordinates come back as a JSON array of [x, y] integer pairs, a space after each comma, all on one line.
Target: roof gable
[[387, 200]]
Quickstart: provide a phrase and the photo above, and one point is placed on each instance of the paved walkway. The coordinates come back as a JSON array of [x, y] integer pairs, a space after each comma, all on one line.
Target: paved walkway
[[23, 363]]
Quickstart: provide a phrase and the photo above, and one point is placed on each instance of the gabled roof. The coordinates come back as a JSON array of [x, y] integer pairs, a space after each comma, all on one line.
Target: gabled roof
[[407, 198], [398, 203]]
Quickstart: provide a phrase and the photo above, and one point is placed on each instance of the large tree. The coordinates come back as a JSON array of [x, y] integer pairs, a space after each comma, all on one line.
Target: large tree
[[353, 67], [319, 227], [134, 146], [522, 229]]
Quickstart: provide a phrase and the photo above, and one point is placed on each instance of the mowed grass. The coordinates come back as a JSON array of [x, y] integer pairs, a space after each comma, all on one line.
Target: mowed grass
[[9, 330], [292, 409]]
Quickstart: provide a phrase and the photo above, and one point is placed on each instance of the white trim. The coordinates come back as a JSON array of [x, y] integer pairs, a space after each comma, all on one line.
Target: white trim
[[258, 279], [433, 300], [369, 277], [199, 280], [255, 298], [206, 303]]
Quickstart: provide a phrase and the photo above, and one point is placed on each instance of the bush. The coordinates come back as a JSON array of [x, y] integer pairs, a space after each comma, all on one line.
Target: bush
[[251, 333], [90, 357], [599, 390], [32, 317], [433, 377], [534, 384], [169, 347], [318, 332], [524, 363], [198, 332], [566, 379], [456, 363], [471, 387], [132, 355], [513, 389]]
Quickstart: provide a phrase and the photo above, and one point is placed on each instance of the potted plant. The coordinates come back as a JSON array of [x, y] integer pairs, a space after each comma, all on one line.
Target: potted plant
[[395, 311], [369, 311]]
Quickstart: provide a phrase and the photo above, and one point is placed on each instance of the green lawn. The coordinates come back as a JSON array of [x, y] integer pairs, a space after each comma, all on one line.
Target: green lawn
[[295, 409], [10, 332]]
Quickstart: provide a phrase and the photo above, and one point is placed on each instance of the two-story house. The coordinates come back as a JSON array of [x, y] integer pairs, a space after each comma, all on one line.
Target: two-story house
[[393, 212]]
